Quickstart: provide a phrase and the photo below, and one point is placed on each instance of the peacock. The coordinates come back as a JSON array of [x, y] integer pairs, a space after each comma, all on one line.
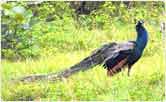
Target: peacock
[[113, 56], [127, 53]]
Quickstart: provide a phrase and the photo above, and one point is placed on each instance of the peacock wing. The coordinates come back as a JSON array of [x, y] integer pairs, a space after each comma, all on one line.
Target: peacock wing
[[118, 58]]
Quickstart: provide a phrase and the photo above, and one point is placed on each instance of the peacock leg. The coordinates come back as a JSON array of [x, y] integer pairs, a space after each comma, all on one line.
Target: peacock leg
[[129, 68]]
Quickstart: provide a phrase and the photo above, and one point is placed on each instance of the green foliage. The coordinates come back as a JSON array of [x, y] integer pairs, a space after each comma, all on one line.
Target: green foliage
[[14, 38], [23, 31], [146, 82], [108, 13], [25, 92], [49, 26]]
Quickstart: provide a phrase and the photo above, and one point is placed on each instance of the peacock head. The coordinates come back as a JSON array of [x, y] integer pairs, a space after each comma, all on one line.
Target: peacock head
[[139, 24]]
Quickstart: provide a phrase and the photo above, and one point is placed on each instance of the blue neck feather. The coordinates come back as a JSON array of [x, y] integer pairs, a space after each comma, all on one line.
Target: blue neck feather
[[142, 37]]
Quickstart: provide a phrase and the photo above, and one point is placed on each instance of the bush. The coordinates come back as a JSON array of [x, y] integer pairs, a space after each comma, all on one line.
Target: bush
[[29, 28]]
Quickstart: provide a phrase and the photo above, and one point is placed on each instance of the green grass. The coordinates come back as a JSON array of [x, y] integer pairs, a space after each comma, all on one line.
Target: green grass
[[145, 83]]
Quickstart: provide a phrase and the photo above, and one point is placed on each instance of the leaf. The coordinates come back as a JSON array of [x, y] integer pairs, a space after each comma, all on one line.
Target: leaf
[[6, 6], [28, 14], [19, 17], [18, 9]]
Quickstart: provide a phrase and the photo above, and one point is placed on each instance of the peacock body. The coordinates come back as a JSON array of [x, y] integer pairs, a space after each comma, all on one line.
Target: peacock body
[[127, 53]]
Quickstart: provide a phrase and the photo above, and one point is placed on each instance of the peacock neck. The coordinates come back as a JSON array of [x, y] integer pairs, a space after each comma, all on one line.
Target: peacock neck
[[142, 38]]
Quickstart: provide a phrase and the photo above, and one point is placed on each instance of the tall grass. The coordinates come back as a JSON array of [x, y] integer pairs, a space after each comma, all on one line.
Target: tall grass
[[145, 83]]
